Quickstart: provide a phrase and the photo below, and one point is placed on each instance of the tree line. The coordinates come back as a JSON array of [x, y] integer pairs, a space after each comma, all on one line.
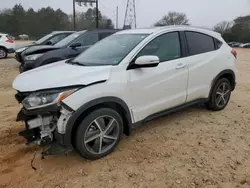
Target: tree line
[[36, 24], [18, 21], [237, 30]]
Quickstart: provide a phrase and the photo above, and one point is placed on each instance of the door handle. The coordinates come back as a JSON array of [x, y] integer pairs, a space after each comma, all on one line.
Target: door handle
[[180, 66]]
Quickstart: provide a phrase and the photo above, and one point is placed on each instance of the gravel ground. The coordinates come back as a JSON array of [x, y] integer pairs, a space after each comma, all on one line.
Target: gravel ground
[[191, 148]]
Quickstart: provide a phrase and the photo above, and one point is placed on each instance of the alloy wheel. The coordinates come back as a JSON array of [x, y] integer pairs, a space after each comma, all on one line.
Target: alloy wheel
[[101, 134], [222, 95], [2, 53]]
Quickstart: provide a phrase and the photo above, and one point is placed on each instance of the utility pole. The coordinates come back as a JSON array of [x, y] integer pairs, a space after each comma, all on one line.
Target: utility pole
[[85, 2], [117, 16], [74, 15], [97, 14]]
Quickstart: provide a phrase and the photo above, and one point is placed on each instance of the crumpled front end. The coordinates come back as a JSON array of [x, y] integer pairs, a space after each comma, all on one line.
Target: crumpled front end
[[43, 125]]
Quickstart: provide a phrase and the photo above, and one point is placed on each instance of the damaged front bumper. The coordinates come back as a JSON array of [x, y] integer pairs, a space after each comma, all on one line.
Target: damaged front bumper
[[45, 125]]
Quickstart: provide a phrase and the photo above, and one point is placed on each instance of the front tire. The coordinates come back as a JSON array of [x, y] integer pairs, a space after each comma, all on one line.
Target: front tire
[[220, 96], [99, 133], [3, 53]]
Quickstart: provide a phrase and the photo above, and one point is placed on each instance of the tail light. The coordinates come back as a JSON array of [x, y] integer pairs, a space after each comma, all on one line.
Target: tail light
[[9, 41], [234, 53]]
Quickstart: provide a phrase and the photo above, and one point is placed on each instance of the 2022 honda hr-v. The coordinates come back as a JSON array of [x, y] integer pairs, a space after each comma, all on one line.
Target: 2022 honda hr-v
[[122, 81]]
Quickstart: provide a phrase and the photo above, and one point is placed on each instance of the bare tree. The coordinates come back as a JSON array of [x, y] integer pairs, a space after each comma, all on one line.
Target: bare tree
[[223, 27], [173, 18]]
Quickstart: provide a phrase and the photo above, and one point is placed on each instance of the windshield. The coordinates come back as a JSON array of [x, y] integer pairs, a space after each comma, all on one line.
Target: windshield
[[111, 50], [43, 39], [68, 39]]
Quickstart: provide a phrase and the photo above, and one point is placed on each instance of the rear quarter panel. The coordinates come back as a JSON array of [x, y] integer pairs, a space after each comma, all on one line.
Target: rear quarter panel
[[204, 68]]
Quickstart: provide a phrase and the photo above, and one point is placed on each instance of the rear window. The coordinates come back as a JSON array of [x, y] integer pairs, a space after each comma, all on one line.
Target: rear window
[[218, 43], [104, 35], [8, 37], [199, 43]]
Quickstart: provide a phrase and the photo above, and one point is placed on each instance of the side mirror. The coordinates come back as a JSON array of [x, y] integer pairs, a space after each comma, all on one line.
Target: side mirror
[[49, 42], [75, 45], [146, 61]]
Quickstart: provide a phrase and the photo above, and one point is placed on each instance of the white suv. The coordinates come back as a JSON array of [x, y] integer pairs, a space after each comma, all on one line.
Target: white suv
[[6, 45], [122, 81]]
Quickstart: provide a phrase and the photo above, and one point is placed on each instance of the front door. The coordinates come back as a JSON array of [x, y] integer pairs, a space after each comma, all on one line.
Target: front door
[[159, 88]]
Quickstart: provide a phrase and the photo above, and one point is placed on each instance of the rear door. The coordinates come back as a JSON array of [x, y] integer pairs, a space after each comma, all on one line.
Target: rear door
[[202, 61]]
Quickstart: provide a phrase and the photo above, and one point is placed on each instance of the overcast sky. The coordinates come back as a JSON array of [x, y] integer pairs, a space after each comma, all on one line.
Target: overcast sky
[[200, 12]]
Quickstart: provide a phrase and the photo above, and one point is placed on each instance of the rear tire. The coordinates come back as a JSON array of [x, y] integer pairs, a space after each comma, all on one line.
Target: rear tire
[[3, 53], [220, 96], [99, 133]]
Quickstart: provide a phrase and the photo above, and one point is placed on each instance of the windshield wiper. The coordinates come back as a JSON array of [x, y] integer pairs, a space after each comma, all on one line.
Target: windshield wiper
[[70, 61], [77, 63]]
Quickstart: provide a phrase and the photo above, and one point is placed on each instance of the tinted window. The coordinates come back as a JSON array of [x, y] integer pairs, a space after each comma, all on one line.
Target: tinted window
[[88, 39], [69, 39], [104, 35], [199, 43], [44, 39], [8, 37], [218, 43], [57, 38], [166, 47]]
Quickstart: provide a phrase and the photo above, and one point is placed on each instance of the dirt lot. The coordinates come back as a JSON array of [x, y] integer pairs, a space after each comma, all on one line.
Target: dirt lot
[[192, 148]]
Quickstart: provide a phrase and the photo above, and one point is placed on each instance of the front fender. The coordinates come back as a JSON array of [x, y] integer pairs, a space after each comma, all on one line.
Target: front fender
[[75, 118], [52, 56]]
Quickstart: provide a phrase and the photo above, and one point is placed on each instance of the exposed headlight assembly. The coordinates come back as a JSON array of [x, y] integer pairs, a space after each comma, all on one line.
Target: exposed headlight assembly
[[43, 99], [33, 57]]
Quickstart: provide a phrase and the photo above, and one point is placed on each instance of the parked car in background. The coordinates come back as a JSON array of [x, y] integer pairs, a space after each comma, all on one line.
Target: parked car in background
[[69, 47], [247, 45], [231, 43], [131, 77], [23, 37], [241, 45], [234, 44], [6, 45], [50, 39]]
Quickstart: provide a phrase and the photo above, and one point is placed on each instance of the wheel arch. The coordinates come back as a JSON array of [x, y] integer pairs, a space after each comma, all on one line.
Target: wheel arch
[[111, 102], [229, 74], [4, 48]]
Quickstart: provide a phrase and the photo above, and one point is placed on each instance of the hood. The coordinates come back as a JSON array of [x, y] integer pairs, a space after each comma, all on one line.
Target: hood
[[38, 49], [60, 74], [24, 45]]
